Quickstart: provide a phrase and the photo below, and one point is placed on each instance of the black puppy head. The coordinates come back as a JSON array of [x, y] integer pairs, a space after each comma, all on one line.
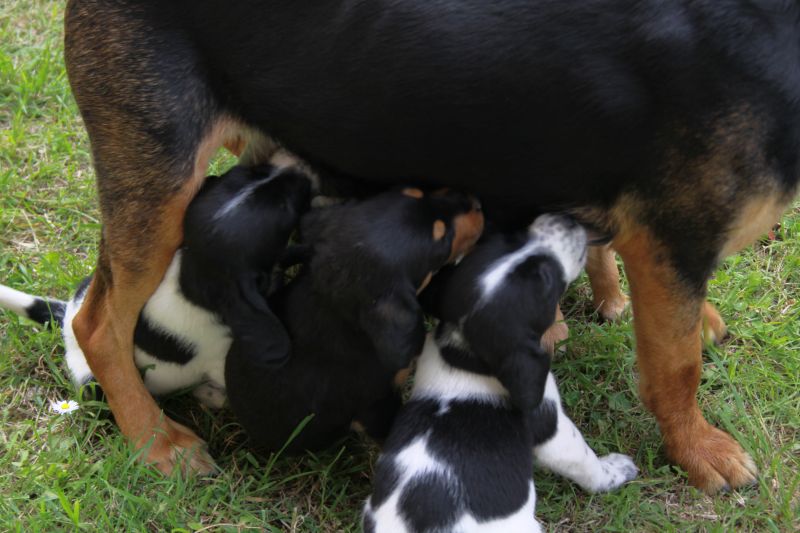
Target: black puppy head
[[502, 298], [459, 223], [245, 216], [285, 194], [434, 229], [371, 258]]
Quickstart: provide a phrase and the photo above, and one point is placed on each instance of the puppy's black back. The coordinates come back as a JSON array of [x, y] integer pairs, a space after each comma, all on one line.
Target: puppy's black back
[[332, 373]]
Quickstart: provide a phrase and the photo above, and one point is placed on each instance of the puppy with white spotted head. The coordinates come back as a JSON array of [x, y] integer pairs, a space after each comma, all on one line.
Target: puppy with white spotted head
[[484, 404]]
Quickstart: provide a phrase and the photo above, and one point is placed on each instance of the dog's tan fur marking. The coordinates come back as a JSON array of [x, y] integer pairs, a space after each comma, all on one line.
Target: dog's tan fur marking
[[555, 334], [468, 228], [258, 147], [235, 145], [413, 192], [608, 298], [714, 328], [401, 377], [439, 230], [755, 219], [425, 282]]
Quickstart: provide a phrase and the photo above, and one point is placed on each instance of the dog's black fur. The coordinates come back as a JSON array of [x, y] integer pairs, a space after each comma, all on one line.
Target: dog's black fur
[[622, 83], [353, 318], [666, 124]]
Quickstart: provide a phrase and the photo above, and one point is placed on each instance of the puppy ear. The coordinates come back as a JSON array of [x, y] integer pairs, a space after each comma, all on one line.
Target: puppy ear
[[262, 341], [444, 243], [261, 337], [396, 327], [524, 374], [251, 291]]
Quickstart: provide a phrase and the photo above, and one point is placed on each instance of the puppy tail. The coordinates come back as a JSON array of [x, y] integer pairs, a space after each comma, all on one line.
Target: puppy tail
[[42, 310], [50, 311]]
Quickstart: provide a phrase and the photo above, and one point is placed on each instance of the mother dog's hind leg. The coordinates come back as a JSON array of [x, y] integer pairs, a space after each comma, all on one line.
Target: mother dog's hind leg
[[153, 126], [667, 321]]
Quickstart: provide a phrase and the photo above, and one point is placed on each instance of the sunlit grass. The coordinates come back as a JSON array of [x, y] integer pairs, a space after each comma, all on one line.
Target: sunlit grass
[[76, 472]]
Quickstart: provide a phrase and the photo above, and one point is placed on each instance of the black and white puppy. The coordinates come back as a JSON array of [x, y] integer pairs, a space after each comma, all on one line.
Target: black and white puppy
[[484, 404], [185, 329], [352, 315]]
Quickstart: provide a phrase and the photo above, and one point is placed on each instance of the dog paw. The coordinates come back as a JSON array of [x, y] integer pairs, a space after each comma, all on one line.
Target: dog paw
[[211, 395], [714, 328], [554, 335], [174, 445], [611, 308], [714, 460], [617, 469]]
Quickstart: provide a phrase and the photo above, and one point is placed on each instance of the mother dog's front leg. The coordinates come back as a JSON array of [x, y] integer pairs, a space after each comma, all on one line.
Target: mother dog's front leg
[[667, 321], [153, 124], [104, 329]]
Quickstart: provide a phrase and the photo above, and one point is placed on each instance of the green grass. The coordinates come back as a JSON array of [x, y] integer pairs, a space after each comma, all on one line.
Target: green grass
[[76, 472]]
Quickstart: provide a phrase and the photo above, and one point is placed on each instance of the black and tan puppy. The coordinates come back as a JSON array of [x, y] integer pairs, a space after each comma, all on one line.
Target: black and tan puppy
[[353, 317], [673, 126]]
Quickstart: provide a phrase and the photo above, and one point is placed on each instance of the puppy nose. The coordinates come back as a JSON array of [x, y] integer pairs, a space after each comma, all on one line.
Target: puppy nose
[[475, 204]]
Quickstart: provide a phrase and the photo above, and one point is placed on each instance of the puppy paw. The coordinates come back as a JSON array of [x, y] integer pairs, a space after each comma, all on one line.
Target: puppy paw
[[553, 336], [714, 328], [211, 395], [617, 469]]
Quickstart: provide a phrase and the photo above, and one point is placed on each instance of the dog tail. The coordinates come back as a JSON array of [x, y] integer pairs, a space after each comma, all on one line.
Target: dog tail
[[42, 310], [51, 311]]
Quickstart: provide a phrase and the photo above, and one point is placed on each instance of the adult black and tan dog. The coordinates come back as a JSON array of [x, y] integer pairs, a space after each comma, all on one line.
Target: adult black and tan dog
[[675, 126]]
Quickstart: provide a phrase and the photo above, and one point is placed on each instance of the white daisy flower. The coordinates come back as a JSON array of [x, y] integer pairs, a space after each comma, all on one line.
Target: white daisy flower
[[63, 407]]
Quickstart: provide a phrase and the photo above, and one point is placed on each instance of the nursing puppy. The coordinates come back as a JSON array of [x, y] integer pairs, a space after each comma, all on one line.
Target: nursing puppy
[[234, 234], [184, 331], [352, 315], [460, 455]]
